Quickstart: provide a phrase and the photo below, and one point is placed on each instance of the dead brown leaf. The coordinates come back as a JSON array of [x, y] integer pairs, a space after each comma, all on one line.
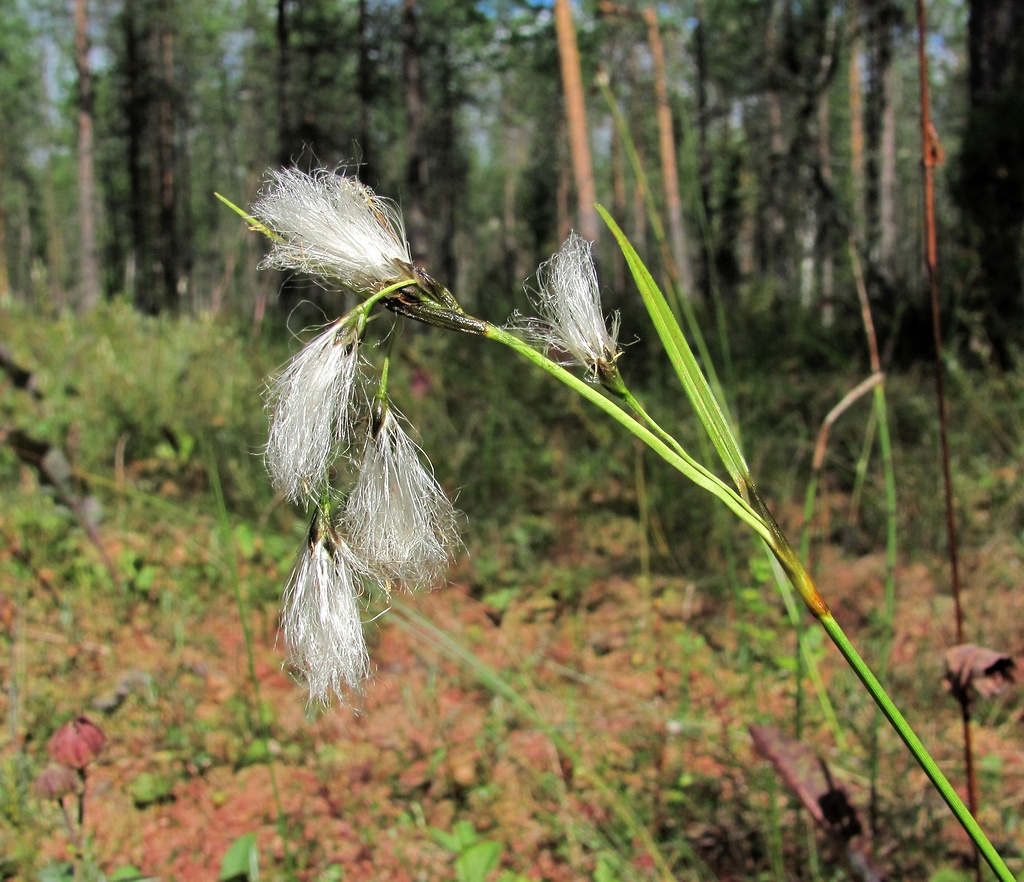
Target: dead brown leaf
[[807, 775], [976, 671]]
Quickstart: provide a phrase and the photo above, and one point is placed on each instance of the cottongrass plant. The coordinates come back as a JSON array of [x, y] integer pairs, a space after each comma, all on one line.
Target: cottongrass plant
[[396, 514], [321, 620], [334, 227], [397, 527], [312, 405], [569, 301]]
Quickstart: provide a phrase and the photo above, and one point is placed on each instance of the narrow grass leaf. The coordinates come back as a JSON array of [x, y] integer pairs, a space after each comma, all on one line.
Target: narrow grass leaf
[[682, 358]]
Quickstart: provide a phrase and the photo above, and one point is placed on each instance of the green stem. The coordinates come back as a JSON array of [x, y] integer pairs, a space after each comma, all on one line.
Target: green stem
[[700, 476], [917, 749], [761, 521]]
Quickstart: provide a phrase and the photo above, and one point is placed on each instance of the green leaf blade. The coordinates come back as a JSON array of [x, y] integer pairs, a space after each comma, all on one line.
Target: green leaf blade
[[678, 350]]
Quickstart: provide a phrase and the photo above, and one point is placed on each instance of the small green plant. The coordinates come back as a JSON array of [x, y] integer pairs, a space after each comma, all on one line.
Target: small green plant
[[475, 857], [241, 861]]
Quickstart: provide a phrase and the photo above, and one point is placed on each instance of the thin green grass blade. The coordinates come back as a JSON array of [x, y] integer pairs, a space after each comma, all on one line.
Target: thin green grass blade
[[682, 358], [410, 620], [678, 299], [254, 223]]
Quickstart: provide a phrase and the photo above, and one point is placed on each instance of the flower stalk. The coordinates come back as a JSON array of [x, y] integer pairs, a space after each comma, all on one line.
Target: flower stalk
[[396, 526]]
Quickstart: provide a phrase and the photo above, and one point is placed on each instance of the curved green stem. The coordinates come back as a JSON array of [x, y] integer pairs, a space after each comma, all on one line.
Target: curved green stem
[[642, 413], [757, 517], [700, 476]]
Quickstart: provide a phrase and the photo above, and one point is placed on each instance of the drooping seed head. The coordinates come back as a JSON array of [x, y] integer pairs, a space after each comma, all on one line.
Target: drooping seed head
[[397, 516], [320, 618], [311, 404], [334, 226], [570, 305]]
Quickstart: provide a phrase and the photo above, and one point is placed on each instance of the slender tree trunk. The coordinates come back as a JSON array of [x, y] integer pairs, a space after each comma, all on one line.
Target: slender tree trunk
[[89, 279], [364, 87], [877, 201], [707, 257], [991, 178], [887, 179], [416, 163], [826, 258], [576, 117], [563, 213], [138, 276], [777, 237], [511, 164], [619, 203], [669, 166], [284, 66], [55, 251], [447, 186], [168, 244], [856, 123]]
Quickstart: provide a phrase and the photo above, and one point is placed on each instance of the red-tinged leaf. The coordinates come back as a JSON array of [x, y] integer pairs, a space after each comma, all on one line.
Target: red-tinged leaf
[[77, 743], [976, 671]]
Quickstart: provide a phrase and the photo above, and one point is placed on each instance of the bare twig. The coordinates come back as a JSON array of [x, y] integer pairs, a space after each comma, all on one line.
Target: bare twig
[[931, 155]]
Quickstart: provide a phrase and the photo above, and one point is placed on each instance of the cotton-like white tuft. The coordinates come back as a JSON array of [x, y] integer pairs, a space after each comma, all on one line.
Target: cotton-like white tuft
[[397, 516], [311, 413], [570, 307], [333, 226], [321, 623]]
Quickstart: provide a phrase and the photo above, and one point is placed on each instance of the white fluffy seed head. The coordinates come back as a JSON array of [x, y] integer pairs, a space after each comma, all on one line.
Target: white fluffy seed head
[[570, 305], [311, 404], [333, 226], [397, 515], [320, 619]]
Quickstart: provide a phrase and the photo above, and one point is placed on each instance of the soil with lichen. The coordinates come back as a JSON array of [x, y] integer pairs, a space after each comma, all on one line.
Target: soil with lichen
[[618, 738]]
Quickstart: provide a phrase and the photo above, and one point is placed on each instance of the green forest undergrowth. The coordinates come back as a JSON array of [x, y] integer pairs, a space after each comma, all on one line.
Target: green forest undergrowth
[[588, 674]]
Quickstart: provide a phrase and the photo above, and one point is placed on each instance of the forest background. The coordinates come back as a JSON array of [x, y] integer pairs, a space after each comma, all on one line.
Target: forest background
[[781, 145], [794, 126]]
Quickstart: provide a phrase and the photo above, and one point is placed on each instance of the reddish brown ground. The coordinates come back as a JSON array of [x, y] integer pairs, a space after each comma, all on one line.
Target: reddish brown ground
[[657, 710]]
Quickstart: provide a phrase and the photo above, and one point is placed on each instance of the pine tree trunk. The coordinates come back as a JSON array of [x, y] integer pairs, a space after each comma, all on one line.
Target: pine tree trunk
[[856, 124], [416, 162], [887, 179], [284, 116], [54, 238], [618, 203], [576, 117], [169, 248], [364, 87], [138, 277], [991, 178], [707, 257], [877, 202], [669, 166], [826, 259], [777, 250], [88, 288]]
